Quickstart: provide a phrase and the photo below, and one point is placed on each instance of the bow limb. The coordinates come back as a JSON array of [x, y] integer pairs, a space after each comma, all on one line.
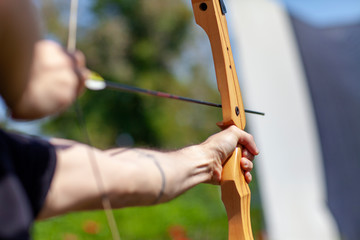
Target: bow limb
[[210, 15]]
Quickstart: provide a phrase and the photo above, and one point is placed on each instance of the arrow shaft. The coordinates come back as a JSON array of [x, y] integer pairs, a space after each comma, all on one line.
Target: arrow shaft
[[123, 87]]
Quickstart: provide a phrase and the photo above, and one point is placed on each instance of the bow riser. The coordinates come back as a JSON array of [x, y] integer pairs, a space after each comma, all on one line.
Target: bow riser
[[236, 196], [235, 191]]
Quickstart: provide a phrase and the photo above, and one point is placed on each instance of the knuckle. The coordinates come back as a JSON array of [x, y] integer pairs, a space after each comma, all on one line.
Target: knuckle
[[251, 137], [251, 165]]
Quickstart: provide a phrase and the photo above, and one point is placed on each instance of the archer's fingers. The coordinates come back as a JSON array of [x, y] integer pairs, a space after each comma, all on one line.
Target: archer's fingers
[[245, 139], [247, 154], [80, 62], [248, 177], [246, 164], [81, 69], [80, 59]]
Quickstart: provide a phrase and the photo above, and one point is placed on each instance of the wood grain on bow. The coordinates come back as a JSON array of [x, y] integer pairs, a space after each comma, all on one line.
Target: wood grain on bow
[[210, 15]]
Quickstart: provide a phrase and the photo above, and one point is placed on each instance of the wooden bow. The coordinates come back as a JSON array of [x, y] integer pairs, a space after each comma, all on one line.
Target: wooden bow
[[210, 15]]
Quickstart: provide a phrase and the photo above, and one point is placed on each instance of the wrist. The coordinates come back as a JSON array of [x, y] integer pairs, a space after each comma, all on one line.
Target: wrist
[[200, 162]]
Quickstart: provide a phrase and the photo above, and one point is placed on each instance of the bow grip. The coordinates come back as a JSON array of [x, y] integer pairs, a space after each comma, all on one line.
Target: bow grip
[[236, 195]]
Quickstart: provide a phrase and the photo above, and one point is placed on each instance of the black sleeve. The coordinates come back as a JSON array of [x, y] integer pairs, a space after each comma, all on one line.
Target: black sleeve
[[27, 166]]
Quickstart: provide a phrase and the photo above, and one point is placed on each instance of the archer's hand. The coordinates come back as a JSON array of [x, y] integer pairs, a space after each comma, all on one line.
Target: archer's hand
[[56, 80], [221, 145]]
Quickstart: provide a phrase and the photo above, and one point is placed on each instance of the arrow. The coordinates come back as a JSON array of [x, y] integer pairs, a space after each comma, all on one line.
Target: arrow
[[97, 84]]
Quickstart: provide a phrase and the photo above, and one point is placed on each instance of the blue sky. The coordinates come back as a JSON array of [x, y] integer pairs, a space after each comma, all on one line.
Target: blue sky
[[325, 13]]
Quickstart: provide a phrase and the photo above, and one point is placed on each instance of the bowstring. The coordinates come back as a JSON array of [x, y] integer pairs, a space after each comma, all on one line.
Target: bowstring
[[105, 201]]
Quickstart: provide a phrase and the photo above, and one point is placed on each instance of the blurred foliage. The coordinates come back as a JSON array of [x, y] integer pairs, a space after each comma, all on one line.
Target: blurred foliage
[[196, 212], [137, 42], [140, 43]]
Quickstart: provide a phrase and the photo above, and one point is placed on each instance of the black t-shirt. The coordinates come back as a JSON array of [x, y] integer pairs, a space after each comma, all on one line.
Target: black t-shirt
[[27, 166]]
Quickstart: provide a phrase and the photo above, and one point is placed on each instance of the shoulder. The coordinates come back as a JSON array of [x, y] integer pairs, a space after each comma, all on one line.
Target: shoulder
[[32, 161]]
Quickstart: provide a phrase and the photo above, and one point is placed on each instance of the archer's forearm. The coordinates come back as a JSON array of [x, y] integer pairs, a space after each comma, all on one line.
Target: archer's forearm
[[130, 177], [161, 176], [136, 177]]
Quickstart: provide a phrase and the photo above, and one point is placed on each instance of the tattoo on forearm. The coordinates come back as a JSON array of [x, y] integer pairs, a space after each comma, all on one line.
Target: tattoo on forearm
[[118, 151], [163, 178]]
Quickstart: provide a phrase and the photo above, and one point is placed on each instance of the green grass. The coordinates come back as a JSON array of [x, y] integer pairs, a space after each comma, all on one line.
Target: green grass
[[199, 213]]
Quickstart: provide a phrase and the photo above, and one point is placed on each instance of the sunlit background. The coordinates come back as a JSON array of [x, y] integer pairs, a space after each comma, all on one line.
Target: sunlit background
[[305, 179]]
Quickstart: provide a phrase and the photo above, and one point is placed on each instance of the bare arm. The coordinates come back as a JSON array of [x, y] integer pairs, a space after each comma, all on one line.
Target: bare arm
[[135, 177]]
